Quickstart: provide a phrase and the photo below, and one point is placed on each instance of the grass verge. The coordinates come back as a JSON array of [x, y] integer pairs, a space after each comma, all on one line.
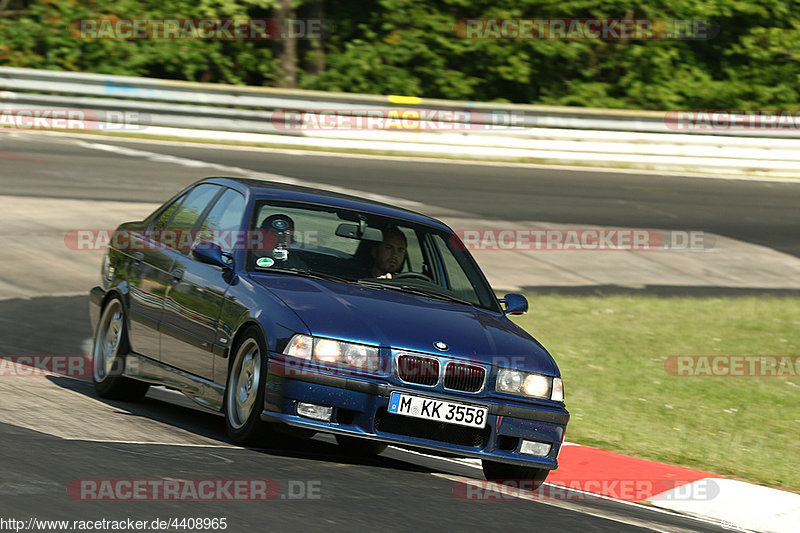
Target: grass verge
[[612, 352]]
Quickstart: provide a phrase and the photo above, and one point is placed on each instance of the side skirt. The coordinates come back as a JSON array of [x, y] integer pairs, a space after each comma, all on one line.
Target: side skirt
[[205, 392]]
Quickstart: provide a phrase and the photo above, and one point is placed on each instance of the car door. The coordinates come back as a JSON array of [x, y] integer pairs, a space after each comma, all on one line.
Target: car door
[[149, 276], [195, 295]]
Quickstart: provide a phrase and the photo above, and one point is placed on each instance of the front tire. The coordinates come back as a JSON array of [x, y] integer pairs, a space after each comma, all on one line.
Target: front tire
[[495, 471], [108, 356], [244, 392]]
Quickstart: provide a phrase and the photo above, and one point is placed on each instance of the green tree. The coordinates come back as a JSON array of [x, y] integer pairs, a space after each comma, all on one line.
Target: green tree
[[410, 47]]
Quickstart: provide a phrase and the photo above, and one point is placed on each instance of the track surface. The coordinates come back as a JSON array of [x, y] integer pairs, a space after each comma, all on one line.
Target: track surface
[[761, 212], [398, 491]]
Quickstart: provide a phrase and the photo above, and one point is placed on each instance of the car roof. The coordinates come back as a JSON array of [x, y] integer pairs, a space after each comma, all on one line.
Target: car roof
[[263, 189]]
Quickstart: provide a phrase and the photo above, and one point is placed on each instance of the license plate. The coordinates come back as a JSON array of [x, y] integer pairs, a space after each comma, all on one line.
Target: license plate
[[439, 410]]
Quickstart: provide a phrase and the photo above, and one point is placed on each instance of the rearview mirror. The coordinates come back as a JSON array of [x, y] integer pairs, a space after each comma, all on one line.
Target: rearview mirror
[[516, 304], [359, 231]]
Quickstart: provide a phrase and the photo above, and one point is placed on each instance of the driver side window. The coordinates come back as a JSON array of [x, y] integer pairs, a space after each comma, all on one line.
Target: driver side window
[[454, 277], [413, 251], [175, 231]]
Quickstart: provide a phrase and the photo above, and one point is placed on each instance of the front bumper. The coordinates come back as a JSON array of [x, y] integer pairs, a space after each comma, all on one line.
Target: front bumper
[[360, 410]]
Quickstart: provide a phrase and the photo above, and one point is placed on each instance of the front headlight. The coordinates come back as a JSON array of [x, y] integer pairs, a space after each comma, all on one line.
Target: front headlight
[[529, 384], [301, 346], [327, 350], [331, 351], [558, 390], [360, 356]]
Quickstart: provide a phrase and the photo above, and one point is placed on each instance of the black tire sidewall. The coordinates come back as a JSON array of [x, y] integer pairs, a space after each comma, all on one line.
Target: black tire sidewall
[[116, 386], [109, 384]]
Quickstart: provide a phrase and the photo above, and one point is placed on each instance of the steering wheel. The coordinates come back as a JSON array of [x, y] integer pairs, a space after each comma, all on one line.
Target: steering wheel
[[412, 275]]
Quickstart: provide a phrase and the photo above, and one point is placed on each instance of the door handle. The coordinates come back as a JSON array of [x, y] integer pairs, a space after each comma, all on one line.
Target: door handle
[[137, 258], [177, 275]]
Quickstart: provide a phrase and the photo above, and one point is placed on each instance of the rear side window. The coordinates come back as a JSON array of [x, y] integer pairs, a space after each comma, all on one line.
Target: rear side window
[[163, 219]]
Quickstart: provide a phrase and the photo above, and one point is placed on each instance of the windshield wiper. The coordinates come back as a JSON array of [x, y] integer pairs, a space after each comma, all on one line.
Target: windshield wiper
[[374, 284], [435, 294], [415, 290], [306, 274]]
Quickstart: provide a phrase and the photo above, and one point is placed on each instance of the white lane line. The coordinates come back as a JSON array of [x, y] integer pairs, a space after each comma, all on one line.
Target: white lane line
[[48, 295], [475, 463], [417, 159], [177, 444], [162, 158], [740, 505], [467, 461], [515, 493], [195, 163]]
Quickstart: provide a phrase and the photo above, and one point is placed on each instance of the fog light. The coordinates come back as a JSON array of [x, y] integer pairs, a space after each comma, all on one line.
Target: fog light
[[531, 447], [317, 412]]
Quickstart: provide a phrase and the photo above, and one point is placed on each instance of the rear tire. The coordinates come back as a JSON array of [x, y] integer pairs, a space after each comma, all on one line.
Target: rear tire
[[358, 446], [495, 471], [244, 392], [110, 346]]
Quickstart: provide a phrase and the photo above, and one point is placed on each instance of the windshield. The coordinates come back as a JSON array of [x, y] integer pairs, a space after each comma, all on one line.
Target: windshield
[[364, 248]]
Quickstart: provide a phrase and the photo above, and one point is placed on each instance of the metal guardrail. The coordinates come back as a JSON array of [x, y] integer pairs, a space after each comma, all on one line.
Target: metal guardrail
[[603, 137], [132, 88]]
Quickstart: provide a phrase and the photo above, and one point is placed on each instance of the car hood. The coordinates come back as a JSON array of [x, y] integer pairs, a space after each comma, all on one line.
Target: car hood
[[391, 318]]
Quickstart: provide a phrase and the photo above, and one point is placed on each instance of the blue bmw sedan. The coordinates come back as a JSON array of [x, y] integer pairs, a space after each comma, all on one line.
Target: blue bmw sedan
[[291, 307]]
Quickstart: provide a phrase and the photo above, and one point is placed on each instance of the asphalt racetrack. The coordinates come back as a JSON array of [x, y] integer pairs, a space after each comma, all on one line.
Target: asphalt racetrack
[[55, 430], [761, 212]]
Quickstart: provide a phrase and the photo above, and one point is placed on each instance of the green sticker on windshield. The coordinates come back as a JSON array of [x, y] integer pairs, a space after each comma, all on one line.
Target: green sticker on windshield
[[265, 262]]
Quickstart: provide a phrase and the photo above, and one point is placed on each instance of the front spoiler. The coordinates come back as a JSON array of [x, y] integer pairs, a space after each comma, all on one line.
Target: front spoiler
[[364, 402]]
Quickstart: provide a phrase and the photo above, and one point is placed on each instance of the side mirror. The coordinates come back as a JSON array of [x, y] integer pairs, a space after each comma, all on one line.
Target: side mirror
[[210, 252], [515, 304]]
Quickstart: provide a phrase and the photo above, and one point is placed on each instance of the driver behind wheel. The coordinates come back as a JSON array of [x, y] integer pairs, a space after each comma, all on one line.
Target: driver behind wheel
[[388, 256]]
